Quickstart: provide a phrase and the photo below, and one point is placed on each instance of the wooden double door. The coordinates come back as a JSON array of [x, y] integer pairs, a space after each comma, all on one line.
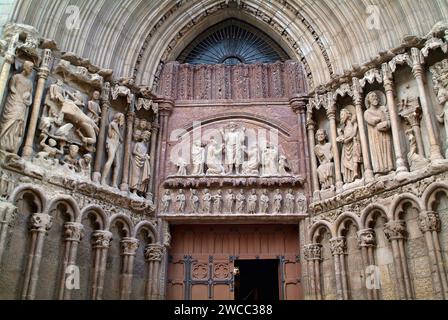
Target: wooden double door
[[206, 262]]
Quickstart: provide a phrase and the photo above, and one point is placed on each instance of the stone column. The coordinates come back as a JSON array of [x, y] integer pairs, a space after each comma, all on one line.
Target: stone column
[[40, 224], [338, 250], [129, 248], [310, 124], [154, 256], [7, 211], [358, 101], [331, 115], [105, 104], [73, 236], [10, 56], [154, 138], [367, 243], [100, 244], [429, 223], [413, 118], [419, 74], [396, 233], [42, 75], [166, 107], [388, 83], [130, 116], [313, 254]]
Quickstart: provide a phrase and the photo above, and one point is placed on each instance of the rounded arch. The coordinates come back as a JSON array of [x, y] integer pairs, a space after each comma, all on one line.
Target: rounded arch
[[316, 227], [428, 197], [370, 213], [36, 192], [145, 225], [74, 213], [400, 201], [126, 222], [100, 216], [339, 224]]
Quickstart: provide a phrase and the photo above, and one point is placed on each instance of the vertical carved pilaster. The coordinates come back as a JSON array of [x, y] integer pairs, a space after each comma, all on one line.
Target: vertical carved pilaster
[[100, 244], [338, 250], [153, 255], [127, 148], [129, 248], [7, 211], [367, 243], [154, 137], [331, 115], [313, 254], [166, 107], [310, 125]]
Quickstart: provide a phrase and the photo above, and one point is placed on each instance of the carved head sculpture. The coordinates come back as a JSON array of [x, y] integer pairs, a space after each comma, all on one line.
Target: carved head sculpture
[[206, 191], [143, 124], [321, 135], [59, 82], [242, 191], [181, 191], [136, 123], [265, 192], [253, 191], [52, 142], [146, 136], [28, 67], [137, 135], [167, 192], [73, 149], [290, 191], [372, 100], [119, 119], [194, 191], [345, 115], [96, 95], [277, 191], [219, 192], [87, 158]]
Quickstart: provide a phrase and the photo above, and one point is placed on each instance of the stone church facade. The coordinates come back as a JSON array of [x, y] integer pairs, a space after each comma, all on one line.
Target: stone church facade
[[223, 150]]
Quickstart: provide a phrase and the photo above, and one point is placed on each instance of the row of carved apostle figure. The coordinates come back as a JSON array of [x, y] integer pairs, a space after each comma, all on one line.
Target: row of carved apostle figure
[[234, 202]]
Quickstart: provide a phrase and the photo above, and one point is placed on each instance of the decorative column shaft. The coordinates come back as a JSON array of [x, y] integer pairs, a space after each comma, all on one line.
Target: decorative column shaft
[[310, 124], [331, 115], [10, 56], [7, 211], [388, 83], [313, 254], [166, 107], [73, 236], [130, 116], [367, 243], [129, 248], [40, 224], [338, 250], [154, 137], [419, 74], [100, 244], [153, 256], [357, 99], [414, 121], [105, 104], [429, 223], [42, 74]]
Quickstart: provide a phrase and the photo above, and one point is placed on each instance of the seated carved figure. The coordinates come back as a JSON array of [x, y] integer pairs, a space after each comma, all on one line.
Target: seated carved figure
[[324, 154]]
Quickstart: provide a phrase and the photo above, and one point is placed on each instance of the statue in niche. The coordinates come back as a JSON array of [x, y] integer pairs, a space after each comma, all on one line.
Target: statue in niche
[[181, 200], [229, 201], [49, 151], [283, 166], [85, 165], [302, 203], [351, 149], [214, 161], [270, 160], [93, 107], [140, 170], [195, 201], [240, 201], [416, 161], [289, 202], [278, 200], [166, 201], [252, 202], [71, 159], [378, 127], [206, 201], [264, 201], [217, 202], [324, 153], [181, 167], [234, 136], [251, 167], [440, 80], [113, 141], [198, 158], [20, 97]]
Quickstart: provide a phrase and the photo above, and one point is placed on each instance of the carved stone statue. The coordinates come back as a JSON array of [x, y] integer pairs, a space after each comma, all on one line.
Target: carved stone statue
[[217, 202], [166, 201], [440, 80], [283, 166], [198, 158], [251, 167], [278, 201], [49, 151], [181, 167], [85, 165], [302, 203], [264, 202], [181, 200], [12, 125], [270, 160], [289, 202], [207, 202], [416, 161], [214, 161], [234, 136], [378, 127], [194, 201], [351, 158], [140, 171], [93, 107], [229, 201], [324, 153], [113, 141], [71, 159], [240, 202], [252, 202]]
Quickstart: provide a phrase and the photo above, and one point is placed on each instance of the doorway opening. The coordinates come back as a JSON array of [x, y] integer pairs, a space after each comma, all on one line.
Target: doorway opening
[[257, 280]]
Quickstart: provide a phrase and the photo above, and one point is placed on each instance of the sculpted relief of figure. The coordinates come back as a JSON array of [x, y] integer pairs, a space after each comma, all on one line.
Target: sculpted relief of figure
[[230, 200], [240, 201], [181, 200], [234, 136], [198, 158], [214, 161], [264, 202], [324, 153], [140, 171], [181, 167], [217, 202], [49, 151], [251, 167], [278, 200], [289, 202], [93, 107], [270, 160], [85, 165], [440, 80], [351, 158], [166, 201], [252, 202], [12, 125], [416, 160], [302, 203], [207, 202], [378, 127], [194, 201], [113, 141]]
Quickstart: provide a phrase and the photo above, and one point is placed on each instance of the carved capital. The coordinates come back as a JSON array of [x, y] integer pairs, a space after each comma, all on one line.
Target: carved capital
[[154, 252], [388, 78], [310, 123], [366, 238], [73, 231], [313, 251], [357, 91], [105, 92], [129, 246], [166, 107], [395, 229], [41, 222], [429, 221], [338, 246], [7, 211], [101, 239], [298, 103]]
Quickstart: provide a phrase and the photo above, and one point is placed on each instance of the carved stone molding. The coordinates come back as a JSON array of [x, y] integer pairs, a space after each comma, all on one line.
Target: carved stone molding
[[395, 229], [241, 181], [429, 221]]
